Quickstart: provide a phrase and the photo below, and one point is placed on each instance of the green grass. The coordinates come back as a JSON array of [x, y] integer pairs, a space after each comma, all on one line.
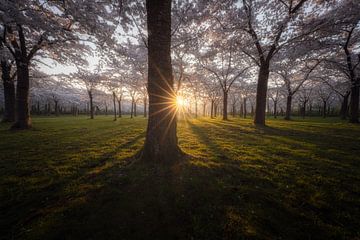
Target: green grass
[[70, 178]]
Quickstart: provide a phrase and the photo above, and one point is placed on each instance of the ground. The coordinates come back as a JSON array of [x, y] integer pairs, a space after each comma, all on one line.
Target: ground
[[74, 178]]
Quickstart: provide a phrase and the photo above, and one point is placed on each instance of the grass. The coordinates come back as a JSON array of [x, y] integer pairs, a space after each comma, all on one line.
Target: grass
[[70, 178]]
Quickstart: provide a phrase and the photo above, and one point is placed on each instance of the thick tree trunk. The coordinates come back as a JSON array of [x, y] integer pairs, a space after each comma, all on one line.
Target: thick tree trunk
[[354, 102], [114, 103], [9, 93], [344, 106], [225, 105], [161, 142], [288, 107], [261, 94], [145, 107], [23, 120], [135, 111]]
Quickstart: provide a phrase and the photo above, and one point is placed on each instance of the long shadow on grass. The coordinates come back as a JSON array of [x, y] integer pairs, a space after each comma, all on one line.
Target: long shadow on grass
[[249, 202], [53, 198]]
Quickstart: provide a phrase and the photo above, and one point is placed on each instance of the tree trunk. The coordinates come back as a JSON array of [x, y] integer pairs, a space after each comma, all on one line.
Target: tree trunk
[[91, 105], [161, 142], [23, 120], [225, 105], [132, 108], [135, 111], [275, 109], [56, 108], [324, 109], [212, 109], [233, 110], [245, 110], [9, 93], [204, 110], [354, 102], [145, 107], [114, 103], [344, 106], [288, 107], [261, 94]]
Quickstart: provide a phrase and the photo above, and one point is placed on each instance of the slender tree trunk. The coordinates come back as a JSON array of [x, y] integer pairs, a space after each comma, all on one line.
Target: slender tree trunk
[[261, 94], [241, 110], [354, 101], [212, 109], [9, 93], [145, 107], [91, 105], [204, 110], [344, 106], [196, 109], [233, 110], [56, 108], [135, 111], [161, 142], [324, 109], [288, 107], [303, 113], [245, 110], [132, 108], [114, 103], [23, 119], [275, 109], [225, 105]]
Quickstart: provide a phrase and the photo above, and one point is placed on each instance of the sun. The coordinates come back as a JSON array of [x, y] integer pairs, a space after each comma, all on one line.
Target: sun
[[180, 101]]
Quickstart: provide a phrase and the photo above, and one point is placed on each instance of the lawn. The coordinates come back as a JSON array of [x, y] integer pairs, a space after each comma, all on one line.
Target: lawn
[[75, 178]]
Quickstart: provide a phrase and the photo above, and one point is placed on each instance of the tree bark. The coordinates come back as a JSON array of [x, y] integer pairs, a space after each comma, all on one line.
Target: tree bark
[[288, 107], [114, 103], [161, 142], [261, 94], [212, 109], [9, 93], [132, 108], [225, 105], [23, 120], [56, 102], [275, 109], [204, 110], [324, 109], [91, 105]]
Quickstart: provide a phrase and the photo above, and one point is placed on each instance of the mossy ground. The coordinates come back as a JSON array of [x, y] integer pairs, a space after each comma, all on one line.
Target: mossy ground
[[70, 178]]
